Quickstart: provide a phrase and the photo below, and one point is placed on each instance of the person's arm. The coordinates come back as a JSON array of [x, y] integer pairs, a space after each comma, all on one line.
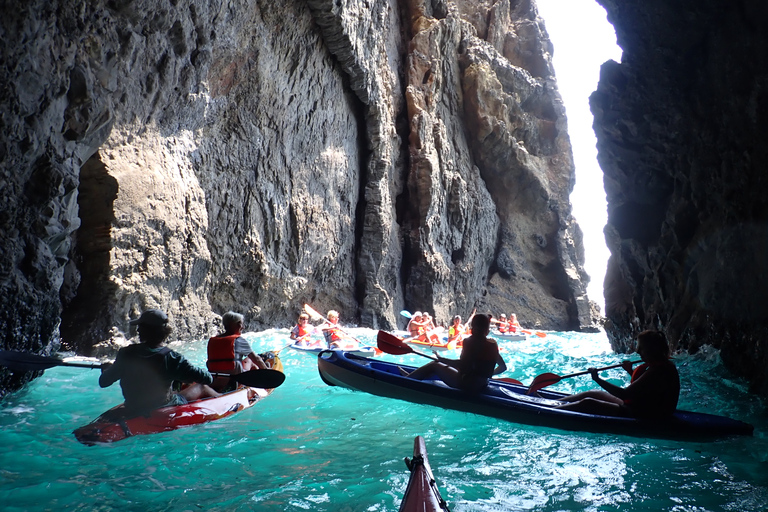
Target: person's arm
[[110, 373], [294, 333], [641, 387], [453, 363], [501, 365], [184, 371]]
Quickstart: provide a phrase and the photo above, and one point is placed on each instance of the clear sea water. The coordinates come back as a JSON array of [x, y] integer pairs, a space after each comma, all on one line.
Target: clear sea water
[[313, 447]]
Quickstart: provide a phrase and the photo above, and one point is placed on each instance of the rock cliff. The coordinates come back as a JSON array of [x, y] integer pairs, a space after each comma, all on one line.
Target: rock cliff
[[680, 124], [365, 156]]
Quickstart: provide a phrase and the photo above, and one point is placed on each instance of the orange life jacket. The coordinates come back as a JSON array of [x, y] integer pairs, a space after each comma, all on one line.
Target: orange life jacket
[[221, 353]]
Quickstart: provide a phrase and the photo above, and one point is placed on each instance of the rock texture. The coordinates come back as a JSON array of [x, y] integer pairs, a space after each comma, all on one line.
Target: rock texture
[[366, 156], [681, 124]]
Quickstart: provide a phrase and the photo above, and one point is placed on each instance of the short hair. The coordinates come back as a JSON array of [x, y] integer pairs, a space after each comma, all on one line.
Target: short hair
[[333, 312], [230, 318], [457, 317], [481, 324], [655, 344]]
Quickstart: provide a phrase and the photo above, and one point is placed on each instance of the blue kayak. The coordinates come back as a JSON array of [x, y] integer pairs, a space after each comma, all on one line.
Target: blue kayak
[[509, 402]]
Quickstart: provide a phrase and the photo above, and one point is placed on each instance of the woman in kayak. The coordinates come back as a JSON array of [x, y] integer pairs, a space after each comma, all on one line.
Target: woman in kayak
[[302, 332], [479, 361], [652, 393]]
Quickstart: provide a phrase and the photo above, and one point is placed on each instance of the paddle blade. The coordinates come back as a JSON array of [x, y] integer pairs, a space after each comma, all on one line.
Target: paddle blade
[[26, 362], [391, 344], [511, 381], [314, 314], [542, 381], [265, 379], [406, 314]]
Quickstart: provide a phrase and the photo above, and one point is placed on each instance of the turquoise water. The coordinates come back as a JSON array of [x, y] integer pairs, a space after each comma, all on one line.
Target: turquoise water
[[313, 447]]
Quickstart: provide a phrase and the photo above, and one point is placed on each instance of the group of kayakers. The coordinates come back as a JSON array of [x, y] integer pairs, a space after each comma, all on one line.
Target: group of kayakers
[[334, 336], [147, 371]]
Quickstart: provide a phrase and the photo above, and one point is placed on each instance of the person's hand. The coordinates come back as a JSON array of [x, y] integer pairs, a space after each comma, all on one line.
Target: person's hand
[[627, 365], [593, 373], [105, 366]]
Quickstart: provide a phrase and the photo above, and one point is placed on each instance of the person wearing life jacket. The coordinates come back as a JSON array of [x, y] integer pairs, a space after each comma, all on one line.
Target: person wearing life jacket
[[416, 326], [456, 330], [229, 352], [513, 325], [479, 361], [147, 370], [303, 331], [653, 391], [335, 336], [503, 324]]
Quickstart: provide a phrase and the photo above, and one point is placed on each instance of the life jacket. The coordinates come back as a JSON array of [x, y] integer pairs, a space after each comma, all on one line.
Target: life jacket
[[301, 331], [503, 327], [221, 354], [637, 372]]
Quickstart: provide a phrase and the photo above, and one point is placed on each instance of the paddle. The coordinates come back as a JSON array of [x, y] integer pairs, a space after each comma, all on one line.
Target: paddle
[[26, 362], [264, 379], [23, 361], [391, 344], [547, 379], [406, 314]]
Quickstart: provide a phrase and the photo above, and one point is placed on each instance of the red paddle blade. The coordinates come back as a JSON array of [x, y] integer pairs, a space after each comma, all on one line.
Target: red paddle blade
[[391, 344], [511, 381], [542, 381]]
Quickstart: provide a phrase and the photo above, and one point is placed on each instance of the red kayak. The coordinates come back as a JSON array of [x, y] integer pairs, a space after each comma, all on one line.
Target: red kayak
[[115, 425], [421, 495]]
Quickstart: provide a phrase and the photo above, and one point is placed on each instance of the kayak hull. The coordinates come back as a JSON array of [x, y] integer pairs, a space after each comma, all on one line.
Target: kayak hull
[[508, 336], [507, 401], [115, 425], [422, 494]]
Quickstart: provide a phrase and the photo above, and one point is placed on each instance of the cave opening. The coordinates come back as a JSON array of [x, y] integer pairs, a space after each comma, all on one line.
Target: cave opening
[[583, 39], [88, 291]]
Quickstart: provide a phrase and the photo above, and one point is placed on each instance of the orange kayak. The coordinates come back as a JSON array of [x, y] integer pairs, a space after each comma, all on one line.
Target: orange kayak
[[422, 494], [116, 425]]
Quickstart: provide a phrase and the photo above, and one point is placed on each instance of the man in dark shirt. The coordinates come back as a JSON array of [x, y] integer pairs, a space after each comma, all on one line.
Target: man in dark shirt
[[146, 371]]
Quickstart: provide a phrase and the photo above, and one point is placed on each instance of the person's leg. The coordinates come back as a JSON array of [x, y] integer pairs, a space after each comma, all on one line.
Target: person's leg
[[197, 391], [596, 394], [446, 373]]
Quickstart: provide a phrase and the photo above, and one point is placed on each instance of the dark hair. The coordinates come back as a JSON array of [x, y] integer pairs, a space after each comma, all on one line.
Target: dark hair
[[481, 324], [154, 335], [655, 345]]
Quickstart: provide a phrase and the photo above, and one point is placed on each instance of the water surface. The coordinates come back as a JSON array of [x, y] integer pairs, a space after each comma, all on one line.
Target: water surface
[[313, 447]]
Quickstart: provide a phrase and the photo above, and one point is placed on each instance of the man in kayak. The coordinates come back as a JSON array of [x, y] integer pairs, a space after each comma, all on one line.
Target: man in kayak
[[146, 371], [229, 352], [653, 391], [479, 361]]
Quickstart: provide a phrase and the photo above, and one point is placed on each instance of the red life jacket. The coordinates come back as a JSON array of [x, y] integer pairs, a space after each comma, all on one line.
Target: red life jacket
[[639, 371], [301, 331], [221, 353]]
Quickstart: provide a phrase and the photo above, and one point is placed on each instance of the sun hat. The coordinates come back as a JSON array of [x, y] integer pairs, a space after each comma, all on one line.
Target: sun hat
[[153, 317]]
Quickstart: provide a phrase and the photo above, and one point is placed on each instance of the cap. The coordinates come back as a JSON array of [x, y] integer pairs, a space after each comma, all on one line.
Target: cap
[[418, 313], [153, 317]]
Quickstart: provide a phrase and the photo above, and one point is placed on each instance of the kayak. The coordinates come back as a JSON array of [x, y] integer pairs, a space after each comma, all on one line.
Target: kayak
[[422, 494], [116, 425], [508, 401], [508, 336], [441, 346], [365, 351]]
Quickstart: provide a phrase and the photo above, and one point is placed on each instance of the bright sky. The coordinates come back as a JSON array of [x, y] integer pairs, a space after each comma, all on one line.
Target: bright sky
[[583, 40]]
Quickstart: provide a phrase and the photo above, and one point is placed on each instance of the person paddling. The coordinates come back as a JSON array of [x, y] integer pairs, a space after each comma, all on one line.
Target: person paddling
[[479, 361], [303, 331], [230, 353], [335, 335], [146, 371], [653, 391]]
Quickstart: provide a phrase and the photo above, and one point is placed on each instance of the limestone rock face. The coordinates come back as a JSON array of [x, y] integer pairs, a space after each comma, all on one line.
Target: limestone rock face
[[681, 124], [365, 156]]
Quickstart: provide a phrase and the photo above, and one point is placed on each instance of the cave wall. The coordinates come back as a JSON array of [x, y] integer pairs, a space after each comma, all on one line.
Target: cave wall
[[206, 156], [680, 124]]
